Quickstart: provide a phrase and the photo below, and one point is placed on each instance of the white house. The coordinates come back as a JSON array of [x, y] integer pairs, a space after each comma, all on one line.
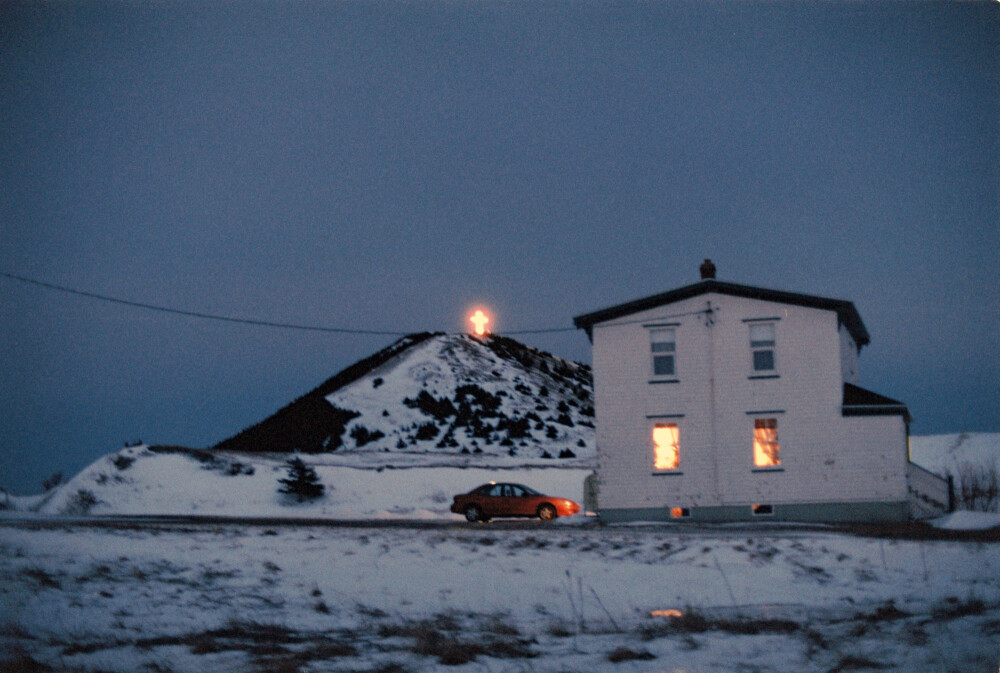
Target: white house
[[719, 402]]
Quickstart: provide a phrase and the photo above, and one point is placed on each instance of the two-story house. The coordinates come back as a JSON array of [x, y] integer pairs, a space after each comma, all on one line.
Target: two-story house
[[720, 402]]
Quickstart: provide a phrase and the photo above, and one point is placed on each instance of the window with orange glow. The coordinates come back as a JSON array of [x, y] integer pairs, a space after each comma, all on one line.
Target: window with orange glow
[[765, 442], [667, 446]]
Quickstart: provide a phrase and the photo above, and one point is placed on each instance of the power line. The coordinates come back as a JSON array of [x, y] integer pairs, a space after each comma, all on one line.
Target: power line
[[651, 319], [542, 331], [196, 314], [229, 319]]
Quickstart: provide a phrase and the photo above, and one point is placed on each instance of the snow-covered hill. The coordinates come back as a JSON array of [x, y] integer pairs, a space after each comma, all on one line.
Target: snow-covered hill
[[450, 399], [163, 480], [945, 454]]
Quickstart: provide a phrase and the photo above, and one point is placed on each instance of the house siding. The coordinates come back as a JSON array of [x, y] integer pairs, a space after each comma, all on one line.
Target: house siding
[[714, 397]]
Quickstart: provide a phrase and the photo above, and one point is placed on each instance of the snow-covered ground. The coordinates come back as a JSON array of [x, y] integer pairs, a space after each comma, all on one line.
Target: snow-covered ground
[[140, 481], [366, 485], [492, 598], [945, 454], [456, 596]]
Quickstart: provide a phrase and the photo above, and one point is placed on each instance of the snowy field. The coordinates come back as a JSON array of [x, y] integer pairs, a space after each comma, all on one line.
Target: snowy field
[[463, 597], [410, 587]]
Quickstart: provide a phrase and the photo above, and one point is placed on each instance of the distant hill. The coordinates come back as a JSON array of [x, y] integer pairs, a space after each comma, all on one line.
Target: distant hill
[[947, 454], [435, 396]]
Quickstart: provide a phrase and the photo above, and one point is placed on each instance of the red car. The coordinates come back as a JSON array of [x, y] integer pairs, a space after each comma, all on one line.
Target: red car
[[495, 500]]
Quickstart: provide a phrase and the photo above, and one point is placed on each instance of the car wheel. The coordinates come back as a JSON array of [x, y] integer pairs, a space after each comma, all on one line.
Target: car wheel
[[473, 513], [547, 512]]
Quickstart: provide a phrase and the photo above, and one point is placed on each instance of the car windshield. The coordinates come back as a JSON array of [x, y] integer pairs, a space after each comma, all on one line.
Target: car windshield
[[530, 491]]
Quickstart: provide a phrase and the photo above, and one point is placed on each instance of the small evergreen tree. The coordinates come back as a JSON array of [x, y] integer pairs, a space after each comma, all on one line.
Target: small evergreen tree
[[302, 481]]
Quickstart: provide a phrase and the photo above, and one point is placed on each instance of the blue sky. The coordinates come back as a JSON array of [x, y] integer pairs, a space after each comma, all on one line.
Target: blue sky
[[386, 166]]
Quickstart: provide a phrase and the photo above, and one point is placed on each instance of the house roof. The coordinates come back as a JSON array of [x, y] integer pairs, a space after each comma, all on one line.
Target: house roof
[[846, 313], [861, 402]]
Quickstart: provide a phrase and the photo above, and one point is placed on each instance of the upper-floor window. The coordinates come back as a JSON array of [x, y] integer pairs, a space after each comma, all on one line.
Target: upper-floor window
[[765, 443], [663, 345], [666, 446], [762, 346]]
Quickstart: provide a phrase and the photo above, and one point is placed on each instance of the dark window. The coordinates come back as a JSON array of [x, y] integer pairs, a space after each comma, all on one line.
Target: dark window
[[762, 346], [663, 345], [763, 360]]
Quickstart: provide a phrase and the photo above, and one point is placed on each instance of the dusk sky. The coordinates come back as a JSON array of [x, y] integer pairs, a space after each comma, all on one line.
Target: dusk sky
[[388, 166]]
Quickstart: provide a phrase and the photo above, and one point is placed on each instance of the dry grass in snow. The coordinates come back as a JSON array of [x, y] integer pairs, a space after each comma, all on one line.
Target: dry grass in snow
[[493, 598]]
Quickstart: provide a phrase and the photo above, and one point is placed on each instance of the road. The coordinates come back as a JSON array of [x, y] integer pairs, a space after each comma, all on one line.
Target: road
[[902, 531]]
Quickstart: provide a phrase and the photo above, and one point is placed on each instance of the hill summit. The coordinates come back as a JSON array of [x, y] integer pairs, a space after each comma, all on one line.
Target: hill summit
[[435, 398]]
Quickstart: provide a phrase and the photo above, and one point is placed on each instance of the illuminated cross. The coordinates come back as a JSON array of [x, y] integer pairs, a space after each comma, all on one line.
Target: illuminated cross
[[479, 320]]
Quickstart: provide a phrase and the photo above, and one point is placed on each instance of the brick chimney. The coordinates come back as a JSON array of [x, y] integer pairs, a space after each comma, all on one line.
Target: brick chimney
[[707, 270]]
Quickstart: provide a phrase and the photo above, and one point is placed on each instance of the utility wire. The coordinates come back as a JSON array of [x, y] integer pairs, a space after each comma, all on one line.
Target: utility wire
[[195, 314], [241, 321], [542, 331], [652, 319]]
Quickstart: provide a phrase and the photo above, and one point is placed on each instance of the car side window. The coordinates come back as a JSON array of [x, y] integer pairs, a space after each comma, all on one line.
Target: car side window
[[518, 491], [506, 491], [495, 491]]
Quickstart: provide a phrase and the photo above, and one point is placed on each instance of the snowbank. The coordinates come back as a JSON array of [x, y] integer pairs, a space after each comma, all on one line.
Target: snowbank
[[964, 520], [139, 480]]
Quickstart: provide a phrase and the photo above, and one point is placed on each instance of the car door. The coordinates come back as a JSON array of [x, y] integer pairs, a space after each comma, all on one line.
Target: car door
[[494, 501], [519, 504]]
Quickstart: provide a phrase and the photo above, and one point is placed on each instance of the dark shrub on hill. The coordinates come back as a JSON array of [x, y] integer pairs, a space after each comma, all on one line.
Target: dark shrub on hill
[[480, 429], [123, 462], [363, 435], [52, 481], [302, 481], [427, 431], [427, 403], [470, 393]]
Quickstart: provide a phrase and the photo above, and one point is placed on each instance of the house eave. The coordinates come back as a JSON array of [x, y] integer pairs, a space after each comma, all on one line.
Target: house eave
[[876, 410], [847, 314]]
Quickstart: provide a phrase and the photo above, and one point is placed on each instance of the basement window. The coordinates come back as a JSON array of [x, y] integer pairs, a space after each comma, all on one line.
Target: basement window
[[666, 446], [763, 510], [765, 443]]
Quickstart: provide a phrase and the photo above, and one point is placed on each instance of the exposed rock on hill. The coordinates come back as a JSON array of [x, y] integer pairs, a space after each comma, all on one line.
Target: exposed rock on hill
[[444, 395]]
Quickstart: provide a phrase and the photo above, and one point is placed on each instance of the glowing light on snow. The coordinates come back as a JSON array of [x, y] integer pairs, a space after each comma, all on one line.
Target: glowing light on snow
[[479, 321], [666, 613]]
